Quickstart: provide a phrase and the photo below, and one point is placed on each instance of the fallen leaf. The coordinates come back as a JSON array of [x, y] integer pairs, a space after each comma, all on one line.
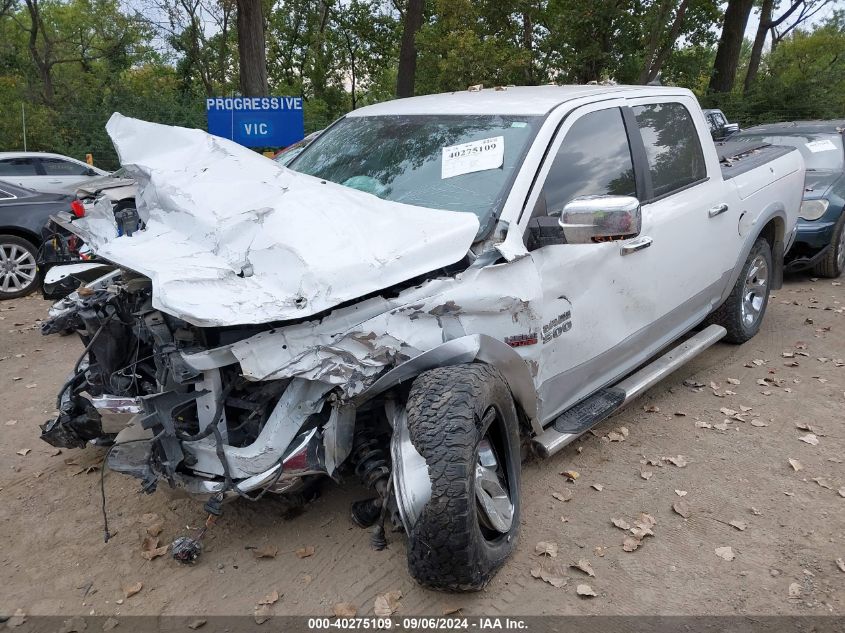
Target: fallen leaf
[[598, 487], [584, 565], [566, 495], [755, 511], [727, 411], [345, 610], [805, 427], [262, 613], [600, 551], [155, 529], [646, 474], [156, 552], [622, 524], [725, 552], [630, 544], [131, 590], [269, 551], [681, 414], [613, 436], [680, 461], [822, 482], [700, 424], [18, 618], [387, 604], [24, 452], [270, 598], [571, 475], [788, 355], [551, 576], [305, 552], [722, 426], [796, 465], [794, 590], [11, 422], [757, 422], [586, 591], [681, 493], [110, 624], [651, 409], [646, 520], [732, 381], [196, 624], [544, 548], [739, 525], [842, 492], [809, 439], [841, 564], [745, 409], [682, 508]]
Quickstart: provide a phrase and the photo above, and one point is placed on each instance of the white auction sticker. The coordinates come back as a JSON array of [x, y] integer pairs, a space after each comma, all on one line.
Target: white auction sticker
[[824, 145], [488, 153]]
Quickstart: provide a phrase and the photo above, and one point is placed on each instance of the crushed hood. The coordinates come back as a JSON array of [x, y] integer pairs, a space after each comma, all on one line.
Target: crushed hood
[[234, 238]]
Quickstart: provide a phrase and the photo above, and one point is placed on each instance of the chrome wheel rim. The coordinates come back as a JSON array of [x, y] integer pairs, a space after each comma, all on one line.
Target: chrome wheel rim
[[495, 509], [840, 255], [17, 268], [755, 290]]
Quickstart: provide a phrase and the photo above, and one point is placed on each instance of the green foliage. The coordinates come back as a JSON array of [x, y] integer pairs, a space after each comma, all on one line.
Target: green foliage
[[159, 59]]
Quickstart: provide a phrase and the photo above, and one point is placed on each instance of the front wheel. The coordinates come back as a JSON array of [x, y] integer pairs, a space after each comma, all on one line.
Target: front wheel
[[742, 313], [463, 422]]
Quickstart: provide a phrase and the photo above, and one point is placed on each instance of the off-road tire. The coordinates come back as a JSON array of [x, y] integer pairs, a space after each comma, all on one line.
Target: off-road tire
[[729, 314], [32, 249], [447, 549], [830, 265]]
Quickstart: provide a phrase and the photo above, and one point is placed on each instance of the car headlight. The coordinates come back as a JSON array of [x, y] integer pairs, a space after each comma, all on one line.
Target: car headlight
[[813, 209]]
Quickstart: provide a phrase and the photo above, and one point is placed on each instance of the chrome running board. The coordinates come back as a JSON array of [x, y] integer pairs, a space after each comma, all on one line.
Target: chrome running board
[[586, 414]]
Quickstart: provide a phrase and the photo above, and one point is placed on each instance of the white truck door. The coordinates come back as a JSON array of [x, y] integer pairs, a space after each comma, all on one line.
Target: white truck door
[[687, 205], [609, 306]]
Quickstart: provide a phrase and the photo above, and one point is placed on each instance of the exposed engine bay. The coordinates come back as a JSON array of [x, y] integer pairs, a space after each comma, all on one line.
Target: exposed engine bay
[[210, 432]]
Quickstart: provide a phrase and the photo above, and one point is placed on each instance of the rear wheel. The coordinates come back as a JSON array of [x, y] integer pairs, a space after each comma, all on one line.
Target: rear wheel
[[834, 260], [18, 270], [463, 422], [742, 313]]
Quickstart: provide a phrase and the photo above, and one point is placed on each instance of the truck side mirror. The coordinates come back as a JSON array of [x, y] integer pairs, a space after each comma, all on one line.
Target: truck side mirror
[[589, 219]]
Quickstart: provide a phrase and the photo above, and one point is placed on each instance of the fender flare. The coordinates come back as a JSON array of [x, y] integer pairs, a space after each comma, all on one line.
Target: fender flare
[[774, 212], [467, 349]]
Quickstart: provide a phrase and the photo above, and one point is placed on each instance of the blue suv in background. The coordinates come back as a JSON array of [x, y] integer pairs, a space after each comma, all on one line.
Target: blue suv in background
[[820, 240]]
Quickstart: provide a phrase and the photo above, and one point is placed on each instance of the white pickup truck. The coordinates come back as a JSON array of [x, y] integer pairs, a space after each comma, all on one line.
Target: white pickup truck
[[437, 283]]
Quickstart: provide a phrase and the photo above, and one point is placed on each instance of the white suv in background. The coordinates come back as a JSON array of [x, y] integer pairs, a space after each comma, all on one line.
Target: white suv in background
[[48, 173]]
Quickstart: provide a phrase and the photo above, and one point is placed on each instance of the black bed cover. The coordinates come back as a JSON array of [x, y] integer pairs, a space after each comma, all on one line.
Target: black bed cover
[[736, 158]]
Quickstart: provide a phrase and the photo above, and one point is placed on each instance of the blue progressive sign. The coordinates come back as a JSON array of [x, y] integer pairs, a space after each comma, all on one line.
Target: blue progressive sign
[[256, 121]]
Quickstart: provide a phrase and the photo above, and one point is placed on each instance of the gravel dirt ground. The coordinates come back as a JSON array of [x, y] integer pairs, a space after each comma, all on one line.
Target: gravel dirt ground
[[732, 486]]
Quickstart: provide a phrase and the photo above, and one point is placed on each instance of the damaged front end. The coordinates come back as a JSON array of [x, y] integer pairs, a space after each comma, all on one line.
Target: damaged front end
[[174, 405]]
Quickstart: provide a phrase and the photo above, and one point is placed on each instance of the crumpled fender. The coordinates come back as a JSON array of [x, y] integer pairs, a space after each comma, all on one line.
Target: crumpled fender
[[467, 349]]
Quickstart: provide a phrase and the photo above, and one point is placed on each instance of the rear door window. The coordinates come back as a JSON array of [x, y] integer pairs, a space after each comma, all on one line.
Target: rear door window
[[59, 167], [594, 159], [675, 159], [18, 167]]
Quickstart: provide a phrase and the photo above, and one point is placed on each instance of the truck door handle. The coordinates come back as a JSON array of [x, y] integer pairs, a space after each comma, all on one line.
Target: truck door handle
[[719, 209], [636, 245]]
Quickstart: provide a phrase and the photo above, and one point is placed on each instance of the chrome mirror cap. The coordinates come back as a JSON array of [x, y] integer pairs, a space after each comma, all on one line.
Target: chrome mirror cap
[[588, 219]]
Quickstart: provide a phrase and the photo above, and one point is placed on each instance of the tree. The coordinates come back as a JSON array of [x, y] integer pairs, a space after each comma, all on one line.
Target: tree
[[251, 49], [767, 24], [656, 54], [406, 75], [730, 45]]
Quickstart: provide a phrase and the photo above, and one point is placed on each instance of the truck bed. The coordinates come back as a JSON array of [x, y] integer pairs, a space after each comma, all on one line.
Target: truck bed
[[738, 158]]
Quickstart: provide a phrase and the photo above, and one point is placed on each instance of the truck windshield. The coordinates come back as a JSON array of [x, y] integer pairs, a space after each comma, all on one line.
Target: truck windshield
[[821, 151], [457, 163]]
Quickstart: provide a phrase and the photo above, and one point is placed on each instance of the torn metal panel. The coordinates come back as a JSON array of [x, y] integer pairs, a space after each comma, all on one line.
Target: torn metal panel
[[353, 347], [234, 238]]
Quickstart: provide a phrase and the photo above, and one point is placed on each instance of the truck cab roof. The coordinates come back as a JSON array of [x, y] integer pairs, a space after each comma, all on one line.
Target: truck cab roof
[[526, 100]]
